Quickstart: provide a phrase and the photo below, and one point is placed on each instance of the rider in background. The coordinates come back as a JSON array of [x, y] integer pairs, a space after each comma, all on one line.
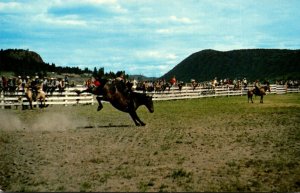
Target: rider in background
[[245, 83], [257, 86]]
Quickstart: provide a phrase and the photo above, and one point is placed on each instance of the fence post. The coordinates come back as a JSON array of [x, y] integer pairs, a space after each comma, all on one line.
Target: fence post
[[66, 98], [199, 91], [2, 99], [227, 91], [215, 91]]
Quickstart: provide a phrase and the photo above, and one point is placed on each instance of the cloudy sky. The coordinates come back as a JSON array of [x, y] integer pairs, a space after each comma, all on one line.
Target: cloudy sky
[[146, 37]]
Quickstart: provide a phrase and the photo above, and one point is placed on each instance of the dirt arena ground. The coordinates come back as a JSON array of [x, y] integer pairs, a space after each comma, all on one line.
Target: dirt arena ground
[[213, 144]]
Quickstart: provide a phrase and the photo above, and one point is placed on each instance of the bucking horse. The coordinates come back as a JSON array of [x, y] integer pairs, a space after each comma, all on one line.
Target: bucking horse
[[124, 100], [258, 92]]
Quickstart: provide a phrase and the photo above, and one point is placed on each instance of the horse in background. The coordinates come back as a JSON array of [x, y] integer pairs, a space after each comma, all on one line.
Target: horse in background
[[34, 96], [41, 96], [260, 92], [161, 86], [194, 84]]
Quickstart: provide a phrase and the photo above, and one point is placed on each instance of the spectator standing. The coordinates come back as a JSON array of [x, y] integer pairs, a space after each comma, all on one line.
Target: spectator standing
[[173, 81]]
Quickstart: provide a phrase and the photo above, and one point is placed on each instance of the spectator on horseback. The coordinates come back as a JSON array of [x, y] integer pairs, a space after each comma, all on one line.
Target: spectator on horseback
[[66, 81], [257, 86], [33, 85], [214, 83], [19, 84], [245, 82]]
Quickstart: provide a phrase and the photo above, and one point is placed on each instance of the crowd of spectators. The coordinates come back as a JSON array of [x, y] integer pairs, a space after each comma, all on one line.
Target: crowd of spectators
[[50, 84], [20, 84]]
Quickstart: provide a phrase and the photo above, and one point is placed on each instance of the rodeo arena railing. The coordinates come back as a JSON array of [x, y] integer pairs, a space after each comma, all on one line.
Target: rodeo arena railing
[[70, 97], [188, 92], [66, 97]]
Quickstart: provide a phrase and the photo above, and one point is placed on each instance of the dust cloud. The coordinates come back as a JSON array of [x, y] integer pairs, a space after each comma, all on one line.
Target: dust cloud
[[8, 121], [57, 121], [46, 121]]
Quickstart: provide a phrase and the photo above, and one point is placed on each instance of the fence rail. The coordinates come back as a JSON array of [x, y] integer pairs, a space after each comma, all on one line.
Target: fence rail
[[187, 92], [69, 97]]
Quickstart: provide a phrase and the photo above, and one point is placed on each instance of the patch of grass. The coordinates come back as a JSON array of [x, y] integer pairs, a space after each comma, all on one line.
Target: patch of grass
[[96, 160], [143, 186], [85, 186], [183, 179], [163, 187], [179, 173], [61, 188], [103, 178]]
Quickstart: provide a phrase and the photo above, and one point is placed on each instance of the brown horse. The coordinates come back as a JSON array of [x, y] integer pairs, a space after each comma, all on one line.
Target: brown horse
[[261, 92], [125, 101]]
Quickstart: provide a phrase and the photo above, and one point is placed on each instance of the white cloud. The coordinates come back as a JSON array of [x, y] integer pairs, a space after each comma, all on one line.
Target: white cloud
[[63, 21], [184, 20], [155, 55], [7, 6], [165, 31]]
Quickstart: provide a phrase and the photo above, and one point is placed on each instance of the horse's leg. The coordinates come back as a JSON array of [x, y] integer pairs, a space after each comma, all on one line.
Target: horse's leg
[[250, 95], [136, 119], [261, 99], [42, 100], [100, 106], [30, 103]]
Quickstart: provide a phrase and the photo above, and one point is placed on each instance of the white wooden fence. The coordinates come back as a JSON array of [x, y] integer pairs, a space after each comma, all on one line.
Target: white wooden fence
[[69, 97], [187, 92]]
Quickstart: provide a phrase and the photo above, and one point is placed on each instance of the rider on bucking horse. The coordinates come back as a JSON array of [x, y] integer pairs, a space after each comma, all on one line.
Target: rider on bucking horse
[[121, 84], [98, 84]]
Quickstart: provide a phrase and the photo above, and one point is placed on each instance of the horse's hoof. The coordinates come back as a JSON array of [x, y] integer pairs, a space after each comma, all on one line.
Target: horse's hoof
[[99, 108]]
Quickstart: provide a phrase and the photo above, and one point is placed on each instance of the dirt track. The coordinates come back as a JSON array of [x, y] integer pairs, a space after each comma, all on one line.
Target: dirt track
[[236, 148]]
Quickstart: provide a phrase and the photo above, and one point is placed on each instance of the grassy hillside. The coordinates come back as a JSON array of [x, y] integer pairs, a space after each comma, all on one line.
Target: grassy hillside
[[251, 63]]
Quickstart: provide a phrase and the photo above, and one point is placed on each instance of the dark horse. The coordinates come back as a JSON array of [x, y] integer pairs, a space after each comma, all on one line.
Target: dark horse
[[260, 92], [126, 101]]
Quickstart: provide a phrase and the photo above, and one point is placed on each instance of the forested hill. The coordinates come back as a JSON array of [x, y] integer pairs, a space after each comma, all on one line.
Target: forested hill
[[25, 62], [253, 64]]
